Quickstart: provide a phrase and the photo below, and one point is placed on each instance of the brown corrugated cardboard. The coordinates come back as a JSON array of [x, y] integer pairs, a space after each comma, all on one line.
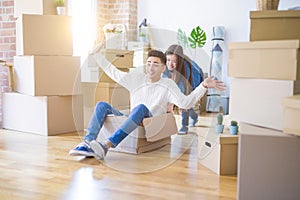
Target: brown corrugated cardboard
[[258, 101], [154, 134], [38, 7], [265, 59], [291, 123], [106, 79], [47, 75], [43, 115], [268, 166], [112, 93], [44, 35], [119, 58], [275, 25], [218, 152], [157, 127]]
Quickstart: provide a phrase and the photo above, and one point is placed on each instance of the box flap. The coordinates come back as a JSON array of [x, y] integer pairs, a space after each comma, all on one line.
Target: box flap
[[275, 14], [292, 101], [117, 52], [160, 127], [280, 44]]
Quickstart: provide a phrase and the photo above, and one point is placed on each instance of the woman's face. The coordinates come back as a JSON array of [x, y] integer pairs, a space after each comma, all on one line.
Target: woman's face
[[171, 61]]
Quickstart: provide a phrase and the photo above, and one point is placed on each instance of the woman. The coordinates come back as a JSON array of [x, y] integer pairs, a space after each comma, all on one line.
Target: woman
[[187, 75]]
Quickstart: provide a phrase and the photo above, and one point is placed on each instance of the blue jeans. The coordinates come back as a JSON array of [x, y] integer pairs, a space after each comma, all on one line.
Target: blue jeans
[[103, 109], [185, 114]]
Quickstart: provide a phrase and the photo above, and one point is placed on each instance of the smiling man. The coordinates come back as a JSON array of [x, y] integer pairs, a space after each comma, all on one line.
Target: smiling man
[[149, 96]]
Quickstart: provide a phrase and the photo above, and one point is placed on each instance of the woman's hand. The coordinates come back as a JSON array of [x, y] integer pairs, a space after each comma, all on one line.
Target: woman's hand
[[210, 82]]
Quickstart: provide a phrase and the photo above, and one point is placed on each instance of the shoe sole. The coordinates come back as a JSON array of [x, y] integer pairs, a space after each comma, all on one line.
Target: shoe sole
[[98, 150], [80, 153]]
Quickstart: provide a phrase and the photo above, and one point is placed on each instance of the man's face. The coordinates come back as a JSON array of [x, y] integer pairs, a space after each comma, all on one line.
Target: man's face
[[171, 61], [154, 68]]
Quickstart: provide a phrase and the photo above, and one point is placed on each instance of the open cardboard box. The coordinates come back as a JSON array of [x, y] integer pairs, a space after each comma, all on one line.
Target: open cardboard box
[[153, 134]]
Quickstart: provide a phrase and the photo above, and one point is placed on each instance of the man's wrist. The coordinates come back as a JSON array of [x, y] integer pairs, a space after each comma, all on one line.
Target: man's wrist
[[205, 85]]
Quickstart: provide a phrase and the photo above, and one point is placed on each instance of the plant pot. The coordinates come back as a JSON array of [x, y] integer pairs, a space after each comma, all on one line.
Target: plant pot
[[219, 128], [233, 130], [61, 10]]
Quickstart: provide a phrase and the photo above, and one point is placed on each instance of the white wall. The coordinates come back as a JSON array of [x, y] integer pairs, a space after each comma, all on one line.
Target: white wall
[[169, 15]]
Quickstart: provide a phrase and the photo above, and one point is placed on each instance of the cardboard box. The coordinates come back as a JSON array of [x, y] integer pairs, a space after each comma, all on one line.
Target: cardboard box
[[268, 164], [48, 35], [38, 7], [43, 115], [138, 46], [47, 75], [258, 101], [154, 133], [119, 58], [291, 117], [112, 93], [102, 77], [218, 152], [265, 59], [274, 25]]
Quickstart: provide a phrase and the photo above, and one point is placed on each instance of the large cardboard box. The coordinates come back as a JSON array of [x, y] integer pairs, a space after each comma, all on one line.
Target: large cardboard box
[[112, 93], [44, 35], [154, 133], [275, 25], [265, 59], [42, 115], [291, 118], [268, 164], [218, 152], [119, 58], [258, 101], [38, 7], [47, 75]]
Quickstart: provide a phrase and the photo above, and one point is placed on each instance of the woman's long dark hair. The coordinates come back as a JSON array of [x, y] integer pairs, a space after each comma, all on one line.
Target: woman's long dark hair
[[180, 71]]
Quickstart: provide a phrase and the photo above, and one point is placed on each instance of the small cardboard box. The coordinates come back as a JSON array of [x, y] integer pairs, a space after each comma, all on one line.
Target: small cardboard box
[[291, 123], [265, 59], [38, 7], [268, 164], [275, 25], [47, 75], [119, 58], [112, 93], [219, 152], [154, 133], [259, 101], [48, 35], [43, 115]]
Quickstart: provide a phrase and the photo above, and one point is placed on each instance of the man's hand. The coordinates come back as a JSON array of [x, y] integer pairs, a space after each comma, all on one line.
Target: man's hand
[[210, 82]]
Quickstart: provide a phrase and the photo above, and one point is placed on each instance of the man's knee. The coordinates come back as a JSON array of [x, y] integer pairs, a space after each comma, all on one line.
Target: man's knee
[[101, 104]]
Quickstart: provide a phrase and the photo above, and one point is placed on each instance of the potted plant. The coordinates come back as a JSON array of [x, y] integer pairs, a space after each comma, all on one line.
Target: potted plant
[[234, 128], [60, 7], [219, 125]]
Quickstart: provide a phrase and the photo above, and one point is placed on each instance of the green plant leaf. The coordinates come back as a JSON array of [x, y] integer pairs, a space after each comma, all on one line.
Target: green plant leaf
[[197, 37], [182, 39]]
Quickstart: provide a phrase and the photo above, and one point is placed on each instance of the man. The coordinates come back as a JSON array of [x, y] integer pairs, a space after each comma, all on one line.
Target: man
[[149, 96]]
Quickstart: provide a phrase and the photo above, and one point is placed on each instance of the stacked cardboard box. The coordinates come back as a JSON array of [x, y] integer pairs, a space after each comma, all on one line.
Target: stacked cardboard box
[[47, 98], [264, 72], [140, 54], [97, 86]]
